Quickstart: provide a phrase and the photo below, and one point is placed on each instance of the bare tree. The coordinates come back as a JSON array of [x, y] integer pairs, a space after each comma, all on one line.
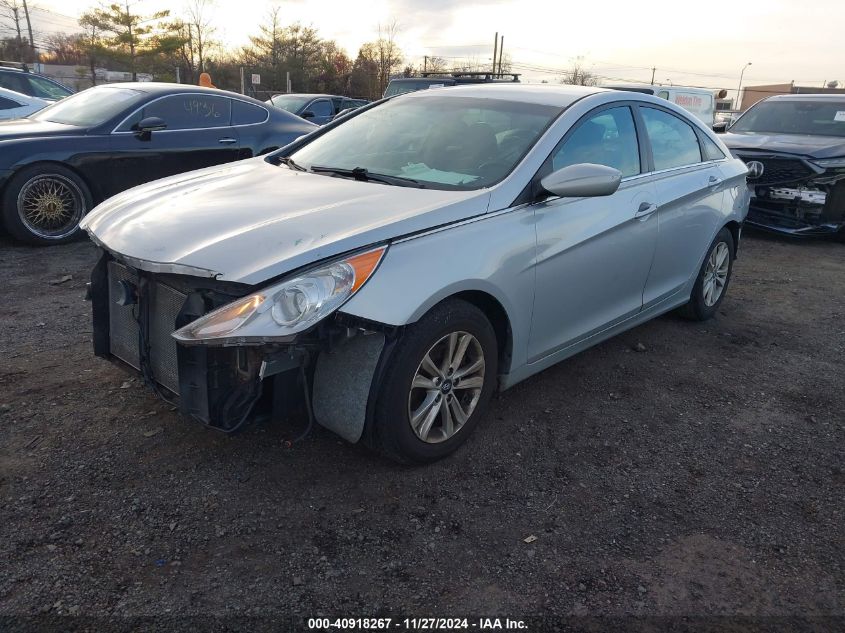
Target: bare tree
[[200, 28], [388, 54], [11, 12], [578, 74], [435, 64]]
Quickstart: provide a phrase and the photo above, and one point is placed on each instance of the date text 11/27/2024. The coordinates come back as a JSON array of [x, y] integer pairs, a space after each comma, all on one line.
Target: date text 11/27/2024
[[416, 624]]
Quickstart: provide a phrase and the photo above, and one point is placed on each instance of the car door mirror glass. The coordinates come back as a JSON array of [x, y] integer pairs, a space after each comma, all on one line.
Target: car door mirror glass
[[584, 180]]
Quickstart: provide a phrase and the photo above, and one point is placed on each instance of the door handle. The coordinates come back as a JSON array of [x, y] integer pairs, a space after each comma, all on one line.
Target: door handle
[[714, 181], [645, 209], [227, 140]]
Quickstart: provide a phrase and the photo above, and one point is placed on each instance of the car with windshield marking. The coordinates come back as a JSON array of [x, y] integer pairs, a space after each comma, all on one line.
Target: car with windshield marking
[[58, 163], [794, 146], [392, 270]]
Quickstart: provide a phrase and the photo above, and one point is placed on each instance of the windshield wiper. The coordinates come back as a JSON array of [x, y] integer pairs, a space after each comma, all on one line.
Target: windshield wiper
[[362, 174], [287, 160]]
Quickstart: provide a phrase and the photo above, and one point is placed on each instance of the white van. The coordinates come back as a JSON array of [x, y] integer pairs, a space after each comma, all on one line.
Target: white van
[[700, 101]]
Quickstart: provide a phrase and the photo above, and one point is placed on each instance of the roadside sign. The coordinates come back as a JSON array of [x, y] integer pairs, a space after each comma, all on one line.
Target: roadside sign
[[256, 79]]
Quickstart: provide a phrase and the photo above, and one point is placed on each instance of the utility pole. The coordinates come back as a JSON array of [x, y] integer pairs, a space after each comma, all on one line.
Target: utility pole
[[501, 50], [178, 75], [29, 29], [425, 63], [243, 89], [739, 88], [495, 50], [653, 70]]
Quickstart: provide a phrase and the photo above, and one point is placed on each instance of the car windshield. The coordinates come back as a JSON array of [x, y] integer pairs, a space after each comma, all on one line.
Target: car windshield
[[90, 107], [291, 103], [437, 141], [45, 89], [814, 118]]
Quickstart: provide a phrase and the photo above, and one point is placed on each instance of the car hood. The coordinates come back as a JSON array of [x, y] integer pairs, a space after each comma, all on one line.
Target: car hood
[[28, 128], [251, 221], [798, 144]]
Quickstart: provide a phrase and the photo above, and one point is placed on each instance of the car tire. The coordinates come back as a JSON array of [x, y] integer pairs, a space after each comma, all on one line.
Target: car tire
[[456, 397], [713, 279], [43, 205]]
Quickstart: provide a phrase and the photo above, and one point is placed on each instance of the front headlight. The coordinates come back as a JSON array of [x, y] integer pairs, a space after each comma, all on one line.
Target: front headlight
[[278, 312], [830, 163]]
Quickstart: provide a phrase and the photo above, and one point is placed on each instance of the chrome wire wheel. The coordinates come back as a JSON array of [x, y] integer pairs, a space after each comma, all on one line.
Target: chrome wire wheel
[[446, 387], [716, 274], [50, 206]]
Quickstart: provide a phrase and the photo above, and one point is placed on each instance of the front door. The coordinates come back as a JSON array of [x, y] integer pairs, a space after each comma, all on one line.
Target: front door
[[593, 254], [198, 134]]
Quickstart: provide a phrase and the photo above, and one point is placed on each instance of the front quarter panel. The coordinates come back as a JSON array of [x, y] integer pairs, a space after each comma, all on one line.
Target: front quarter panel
[[493, 254]]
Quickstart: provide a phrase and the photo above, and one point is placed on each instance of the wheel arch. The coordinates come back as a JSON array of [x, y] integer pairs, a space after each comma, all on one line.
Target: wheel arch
[[48, 162], [734, 227]]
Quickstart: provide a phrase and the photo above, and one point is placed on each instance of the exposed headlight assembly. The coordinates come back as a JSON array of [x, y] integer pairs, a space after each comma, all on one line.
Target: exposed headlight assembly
[[291, 306], [829, 163]]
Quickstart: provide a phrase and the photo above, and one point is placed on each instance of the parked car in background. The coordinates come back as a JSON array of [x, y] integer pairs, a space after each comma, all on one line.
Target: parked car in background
[[61, 161], [425, 81], [397, 268], [794, 146], [700, 101], [16, 77], [316, 108], [14, 105]]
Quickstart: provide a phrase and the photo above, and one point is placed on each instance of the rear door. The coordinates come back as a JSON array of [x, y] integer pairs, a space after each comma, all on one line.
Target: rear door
[[593, 254], [689, 194], [198, 134]]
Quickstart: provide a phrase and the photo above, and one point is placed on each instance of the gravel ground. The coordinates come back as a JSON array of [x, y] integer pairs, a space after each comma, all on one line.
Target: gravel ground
[[679, 469]]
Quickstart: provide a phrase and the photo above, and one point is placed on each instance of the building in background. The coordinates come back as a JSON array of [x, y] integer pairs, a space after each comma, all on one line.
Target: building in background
[[79, 77], [753, 94]]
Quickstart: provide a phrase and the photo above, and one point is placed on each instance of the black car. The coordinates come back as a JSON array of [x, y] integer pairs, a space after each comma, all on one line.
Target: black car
[[59, 163], [794, 146], [425, 81], [317, 108], [19, 79]]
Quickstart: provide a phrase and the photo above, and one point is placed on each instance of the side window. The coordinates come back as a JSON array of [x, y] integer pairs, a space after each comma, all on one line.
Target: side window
[[15, 81], [663, 94], [606, 138], [711, 150], [191, 111], [8, 104], [322, 108], [247, 113], [673, 142]]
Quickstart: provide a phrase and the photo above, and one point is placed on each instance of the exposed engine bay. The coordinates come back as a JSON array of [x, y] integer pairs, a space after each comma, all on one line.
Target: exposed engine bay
[[793, 195]]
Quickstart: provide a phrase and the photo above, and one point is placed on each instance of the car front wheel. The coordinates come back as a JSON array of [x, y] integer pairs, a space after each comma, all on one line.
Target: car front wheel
[[438, 380], [711, 285], [44, 204]]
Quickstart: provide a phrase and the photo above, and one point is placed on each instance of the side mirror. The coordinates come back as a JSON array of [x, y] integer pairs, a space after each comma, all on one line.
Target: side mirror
[[585, 180], [307, 114], [145, 127], [720, 127]]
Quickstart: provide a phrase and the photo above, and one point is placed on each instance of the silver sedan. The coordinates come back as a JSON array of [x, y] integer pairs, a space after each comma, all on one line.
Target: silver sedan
[[387, 273]]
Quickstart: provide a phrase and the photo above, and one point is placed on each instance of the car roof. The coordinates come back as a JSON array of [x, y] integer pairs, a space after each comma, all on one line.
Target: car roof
[[809, 96], [164, 88], [541, 94]]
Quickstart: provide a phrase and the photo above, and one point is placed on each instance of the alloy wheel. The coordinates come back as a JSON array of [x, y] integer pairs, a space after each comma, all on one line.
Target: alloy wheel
[[716, 274], [446, 387], [50, 206]]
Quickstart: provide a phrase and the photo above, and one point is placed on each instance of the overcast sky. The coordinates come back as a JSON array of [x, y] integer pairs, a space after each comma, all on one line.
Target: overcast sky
[[692, 43]]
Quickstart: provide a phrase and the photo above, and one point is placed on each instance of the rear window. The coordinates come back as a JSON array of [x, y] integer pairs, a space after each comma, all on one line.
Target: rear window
[[247, 113], [812, 118]]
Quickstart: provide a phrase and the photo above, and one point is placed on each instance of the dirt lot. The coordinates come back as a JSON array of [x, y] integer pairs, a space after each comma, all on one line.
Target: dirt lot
[[700, 476]]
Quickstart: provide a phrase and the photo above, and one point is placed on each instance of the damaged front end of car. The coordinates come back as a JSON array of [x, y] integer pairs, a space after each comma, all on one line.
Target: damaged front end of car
[[795, 195], [225, 353]]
